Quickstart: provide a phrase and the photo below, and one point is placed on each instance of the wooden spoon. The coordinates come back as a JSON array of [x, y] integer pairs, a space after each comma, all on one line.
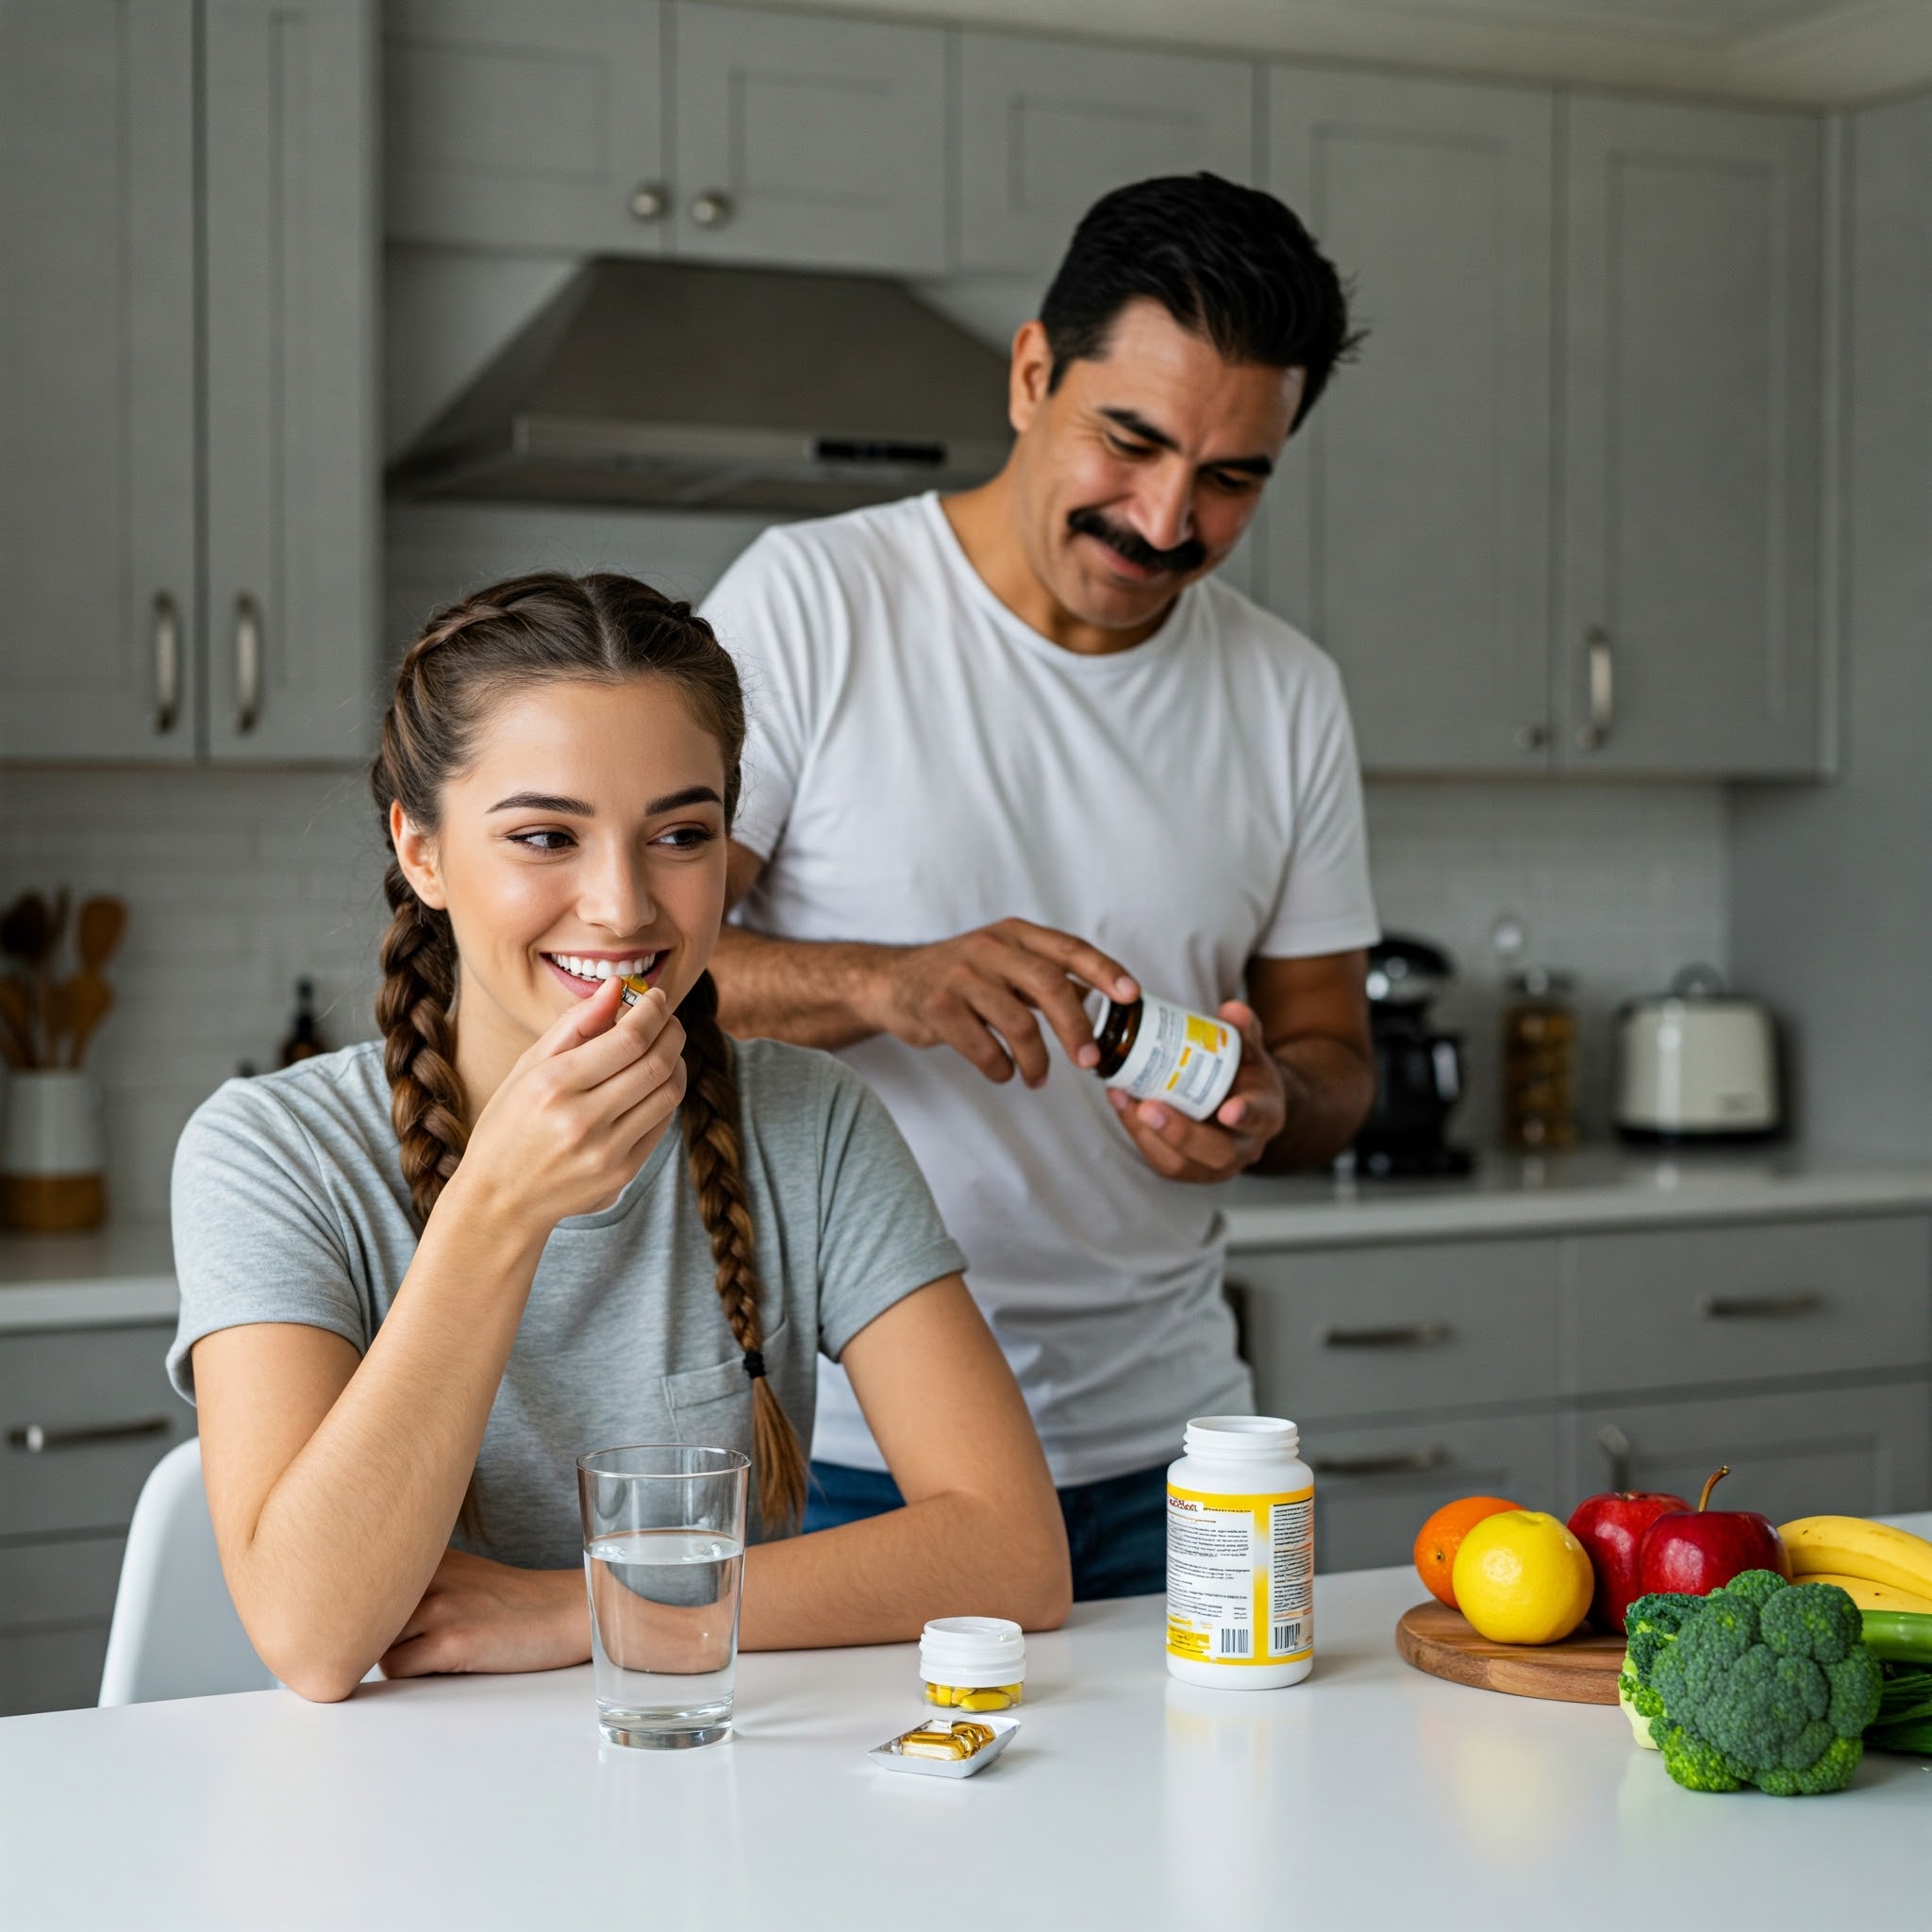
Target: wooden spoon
[[97, 931], [16, 1030], [86, 1000]]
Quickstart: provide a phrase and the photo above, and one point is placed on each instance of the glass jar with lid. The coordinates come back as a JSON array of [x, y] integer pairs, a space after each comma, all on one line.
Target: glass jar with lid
[[1540, 1054]]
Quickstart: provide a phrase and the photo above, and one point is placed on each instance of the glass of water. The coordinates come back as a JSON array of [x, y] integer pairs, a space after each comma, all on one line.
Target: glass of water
[[664, 1558]]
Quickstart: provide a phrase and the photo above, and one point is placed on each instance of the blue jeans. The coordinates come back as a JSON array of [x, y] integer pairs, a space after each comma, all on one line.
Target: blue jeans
[[1116, 1528]]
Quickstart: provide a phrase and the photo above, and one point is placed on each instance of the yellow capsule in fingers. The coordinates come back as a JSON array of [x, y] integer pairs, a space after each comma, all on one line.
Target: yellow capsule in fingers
[[635, 988]]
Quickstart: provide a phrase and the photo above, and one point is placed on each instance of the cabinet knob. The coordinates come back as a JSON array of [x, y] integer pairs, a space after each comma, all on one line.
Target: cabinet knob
[[648, 201], [167, 640], [1532, 737], [713, 209]]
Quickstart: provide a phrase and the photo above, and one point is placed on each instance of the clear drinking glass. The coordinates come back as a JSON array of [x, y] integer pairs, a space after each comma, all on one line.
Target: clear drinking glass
[[664, 1560]]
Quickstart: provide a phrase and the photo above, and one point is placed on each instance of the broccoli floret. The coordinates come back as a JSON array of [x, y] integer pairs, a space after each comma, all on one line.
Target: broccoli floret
[[1769, 1683], [1652, 1623]]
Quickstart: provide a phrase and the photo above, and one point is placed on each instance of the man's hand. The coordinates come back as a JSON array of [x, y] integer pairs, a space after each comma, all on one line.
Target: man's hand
[[979, 994], [477, 1615], [1255, 1111]]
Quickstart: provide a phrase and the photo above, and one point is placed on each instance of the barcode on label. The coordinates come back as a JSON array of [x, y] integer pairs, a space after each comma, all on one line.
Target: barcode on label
[[1288, 1637], [1234, 1642]]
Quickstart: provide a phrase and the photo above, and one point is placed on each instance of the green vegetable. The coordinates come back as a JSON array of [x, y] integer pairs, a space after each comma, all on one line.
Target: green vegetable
[[1902, 1637], [1770, 1684], [1651, 1622], [1905, 1710]]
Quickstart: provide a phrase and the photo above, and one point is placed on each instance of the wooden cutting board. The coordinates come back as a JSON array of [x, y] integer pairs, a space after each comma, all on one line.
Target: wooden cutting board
[[1581, 1670]]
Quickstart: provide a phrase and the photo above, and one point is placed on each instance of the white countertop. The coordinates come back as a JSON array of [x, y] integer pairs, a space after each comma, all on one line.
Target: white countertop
[[121, 1273], [1592, 1188], [125, 1272], [1368, 1796]]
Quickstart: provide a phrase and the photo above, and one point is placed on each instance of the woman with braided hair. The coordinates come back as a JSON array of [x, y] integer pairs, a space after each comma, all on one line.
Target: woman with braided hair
[[419, 1276]]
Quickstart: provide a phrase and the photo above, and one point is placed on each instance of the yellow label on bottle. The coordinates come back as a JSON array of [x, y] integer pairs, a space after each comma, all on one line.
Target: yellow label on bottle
[[1241, 1577]]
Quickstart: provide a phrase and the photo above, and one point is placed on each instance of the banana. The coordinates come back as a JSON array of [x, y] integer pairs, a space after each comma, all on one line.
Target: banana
[[1852, 1546], [1869, 1595]]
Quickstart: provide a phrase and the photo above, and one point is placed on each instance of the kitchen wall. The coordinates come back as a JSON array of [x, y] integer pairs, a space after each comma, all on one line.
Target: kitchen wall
[[1832, 897], [240, 881]]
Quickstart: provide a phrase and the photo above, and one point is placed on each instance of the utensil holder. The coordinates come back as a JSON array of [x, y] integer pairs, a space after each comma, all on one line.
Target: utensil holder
[[52, 1153]]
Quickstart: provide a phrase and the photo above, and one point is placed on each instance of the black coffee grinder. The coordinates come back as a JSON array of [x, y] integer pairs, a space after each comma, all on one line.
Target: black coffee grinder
[[1418, 1070]]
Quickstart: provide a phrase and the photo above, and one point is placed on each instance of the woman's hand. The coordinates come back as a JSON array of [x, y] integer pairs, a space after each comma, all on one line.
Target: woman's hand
[[477, 1615], [579, 1113]]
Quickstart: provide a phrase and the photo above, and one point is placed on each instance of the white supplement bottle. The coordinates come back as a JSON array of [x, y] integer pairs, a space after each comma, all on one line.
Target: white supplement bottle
[[1240, 1555], [1154, 1050]]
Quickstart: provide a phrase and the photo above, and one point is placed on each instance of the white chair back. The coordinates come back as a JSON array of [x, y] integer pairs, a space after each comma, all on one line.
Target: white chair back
[[174, 1632]]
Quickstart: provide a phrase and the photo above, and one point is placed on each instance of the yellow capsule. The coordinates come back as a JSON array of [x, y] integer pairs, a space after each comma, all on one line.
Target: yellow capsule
[[1015, 1693], [941, 1693], [976, 1737], [934, 1743], [984, 1700], [635, 989]]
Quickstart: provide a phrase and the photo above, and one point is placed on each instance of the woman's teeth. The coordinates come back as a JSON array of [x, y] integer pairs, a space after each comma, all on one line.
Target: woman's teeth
[[579, 968]]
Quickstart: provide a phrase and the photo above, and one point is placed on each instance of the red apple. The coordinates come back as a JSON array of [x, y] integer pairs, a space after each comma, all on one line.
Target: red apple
[[1697, 1551], [1610, 1527]]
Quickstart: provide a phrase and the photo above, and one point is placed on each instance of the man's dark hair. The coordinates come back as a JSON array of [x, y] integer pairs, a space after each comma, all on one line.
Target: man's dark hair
[[1229, 263]]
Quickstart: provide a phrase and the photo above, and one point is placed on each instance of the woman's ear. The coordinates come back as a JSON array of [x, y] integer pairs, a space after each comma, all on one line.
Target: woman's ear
[[416, 855]]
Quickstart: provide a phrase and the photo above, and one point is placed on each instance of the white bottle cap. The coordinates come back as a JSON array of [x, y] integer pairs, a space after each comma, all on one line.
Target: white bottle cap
[[1241, 1439], [973, 1652]]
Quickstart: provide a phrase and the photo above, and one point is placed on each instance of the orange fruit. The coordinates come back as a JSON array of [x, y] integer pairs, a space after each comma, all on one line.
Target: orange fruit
[[1520, 1578], [1441, 1536]]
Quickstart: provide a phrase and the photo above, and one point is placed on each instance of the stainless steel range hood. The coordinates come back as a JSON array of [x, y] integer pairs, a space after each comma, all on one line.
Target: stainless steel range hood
[[662, 384]]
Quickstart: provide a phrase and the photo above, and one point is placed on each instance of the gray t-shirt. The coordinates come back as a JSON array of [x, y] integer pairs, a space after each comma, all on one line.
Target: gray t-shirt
[[289, 1206]]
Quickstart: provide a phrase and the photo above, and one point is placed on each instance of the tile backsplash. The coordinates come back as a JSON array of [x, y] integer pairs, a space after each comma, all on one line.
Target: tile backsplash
[[239, 882]]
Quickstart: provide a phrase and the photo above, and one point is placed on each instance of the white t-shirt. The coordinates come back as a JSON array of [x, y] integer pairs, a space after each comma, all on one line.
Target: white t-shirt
[[921, 762]]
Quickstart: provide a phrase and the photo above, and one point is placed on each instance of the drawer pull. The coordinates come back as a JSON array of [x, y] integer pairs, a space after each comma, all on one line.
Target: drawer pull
[[1748, 1308], [1409, 1335], [1402, 1462], [38, 1440]]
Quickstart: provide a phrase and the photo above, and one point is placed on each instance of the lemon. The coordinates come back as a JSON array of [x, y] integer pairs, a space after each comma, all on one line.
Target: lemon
[[1520, 1578]]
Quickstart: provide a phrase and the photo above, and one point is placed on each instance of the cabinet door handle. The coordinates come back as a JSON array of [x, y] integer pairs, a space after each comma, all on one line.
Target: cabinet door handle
[[247, 663], [167, 639], [1409, 1335], [1748, 1308], [713, 209], [1399, 1463], [1603, 688], [1532, 737], [38, 1440], [648, 201], [1617, 1453]]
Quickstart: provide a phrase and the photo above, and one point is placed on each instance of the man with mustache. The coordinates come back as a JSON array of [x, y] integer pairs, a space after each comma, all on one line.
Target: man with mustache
[[1019, 742]]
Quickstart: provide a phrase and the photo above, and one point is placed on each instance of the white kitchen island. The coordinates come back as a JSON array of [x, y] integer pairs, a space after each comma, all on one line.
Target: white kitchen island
[[1369, 1796]]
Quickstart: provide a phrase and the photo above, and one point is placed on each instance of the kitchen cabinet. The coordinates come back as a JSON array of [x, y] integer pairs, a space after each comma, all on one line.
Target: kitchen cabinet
[[294, 436], [1360, 1330], [1376, 1486], [511, 127], [1546, 1367], [716, 133], [1712, 1304], [1045, 127], [85, 1414], [1855, 1451], [164, 418], [812, 140], [1689, 595], [1408, 527], [98, 566]]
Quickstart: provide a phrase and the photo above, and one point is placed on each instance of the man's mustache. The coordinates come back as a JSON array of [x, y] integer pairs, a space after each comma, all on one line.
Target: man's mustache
[[1186, 556]]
